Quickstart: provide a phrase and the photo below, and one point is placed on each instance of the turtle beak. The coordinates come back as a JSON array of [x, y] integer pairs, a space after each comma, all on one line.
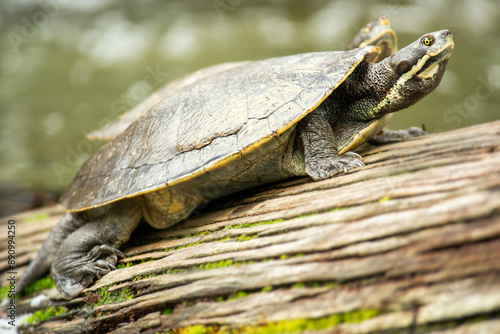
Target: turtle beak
[[384, 21], [443, 46]]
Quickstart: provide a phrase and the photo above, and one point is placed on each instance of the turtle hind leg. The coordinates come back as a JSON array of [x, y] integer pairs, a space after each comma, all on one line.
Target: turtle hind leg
[[92, 250], [387, 136], [69, 223]]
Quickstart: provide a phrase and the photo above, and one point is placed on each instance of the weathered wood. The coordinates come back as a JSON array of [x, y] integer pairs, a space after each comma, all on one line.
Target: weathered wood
[[412, 239]]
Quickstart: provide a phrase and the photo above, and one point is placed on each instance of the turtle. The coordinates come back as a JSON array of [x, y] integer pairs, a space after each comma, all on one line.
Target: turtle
[[260, 122], [377, 32]]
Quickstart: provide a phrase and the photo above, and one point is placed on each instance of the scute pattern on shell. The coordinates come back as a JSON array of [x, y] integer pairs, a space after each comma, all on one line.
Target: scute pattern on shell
[[119, 125], [214, 120]]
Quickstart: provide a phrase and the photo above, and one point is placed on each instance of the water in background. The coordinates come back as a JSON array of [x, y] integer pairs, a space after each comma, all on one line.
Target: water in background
[[68, 67]]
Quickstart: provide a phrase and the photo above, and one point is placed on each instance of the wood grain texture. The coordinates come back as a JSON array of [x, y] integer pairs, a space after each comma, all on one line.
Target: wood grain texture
[[414, 235]]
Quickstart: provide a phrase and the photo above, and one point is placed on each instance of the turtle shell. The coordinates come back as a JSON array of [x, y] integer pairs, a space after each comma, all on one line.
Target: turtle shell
[[111, 130], [206, 125]]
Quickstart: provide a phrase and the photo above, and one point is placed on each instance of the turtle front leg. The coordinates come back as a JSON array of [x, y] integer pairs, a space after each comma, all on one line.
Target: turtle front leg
[[387, 136], [321, 157], [92, 250]]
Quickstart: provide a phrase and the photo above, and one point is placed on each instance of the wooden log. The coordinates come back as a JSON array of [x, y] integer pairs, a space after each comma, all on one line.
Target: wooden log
[[408, 244]]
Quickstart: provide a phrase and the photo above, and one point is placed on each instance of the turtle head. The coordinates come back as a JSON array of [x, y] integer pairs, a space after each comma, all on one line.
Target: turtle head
[[411, 73]]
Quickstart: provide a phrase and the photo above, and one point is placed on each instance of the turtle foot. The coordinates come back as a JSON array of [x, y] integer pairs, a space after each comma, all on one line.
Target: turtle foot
[[76, 271], [394, 136], [333, 165]]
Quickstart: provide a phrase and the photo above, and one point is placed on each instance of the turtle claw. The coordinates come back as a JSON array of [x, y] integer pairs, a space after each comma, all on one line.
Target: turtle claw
[[334, 165], [104, 266], [415, 131], [356, 155], [113, 253], [103, 259], [394, 136]]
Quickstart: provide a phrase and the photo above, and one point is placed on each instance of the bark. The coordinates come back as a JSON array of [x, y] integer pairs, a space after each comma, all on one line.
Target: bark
[[413, 239]]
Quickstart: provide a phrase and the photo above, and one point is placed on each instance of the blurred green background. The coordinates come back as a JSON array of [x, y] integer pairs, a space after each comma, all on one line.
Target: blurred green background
[[68, 67]]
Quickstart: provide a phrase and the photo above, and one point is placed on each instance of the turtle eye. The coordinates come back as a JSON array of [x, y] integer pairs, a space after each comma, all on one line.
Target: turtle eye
[[367, 28], [427, 40]]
